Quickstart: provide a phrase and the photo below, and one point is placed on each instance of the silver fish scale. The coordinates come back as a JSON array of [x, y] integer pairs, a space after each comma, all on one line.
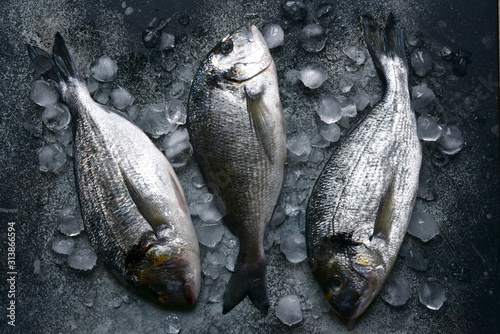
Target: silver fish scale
[[233, 158], [382, 150]]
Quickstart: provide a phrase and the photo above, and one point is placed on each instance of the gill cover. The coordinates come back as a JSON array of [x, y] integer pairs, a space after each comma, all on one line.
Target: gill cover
[[241, 55]]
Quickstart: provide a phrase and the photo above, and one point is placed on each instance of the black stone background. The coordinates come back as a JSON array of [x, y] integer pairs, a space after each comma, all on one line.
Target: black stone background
[[464, 256]]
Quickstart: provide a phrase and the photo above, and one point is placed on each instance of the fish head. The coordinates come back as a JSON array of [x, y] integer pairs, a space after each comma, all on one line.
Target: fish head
[[240, 55], [168, 274], [349, 277]]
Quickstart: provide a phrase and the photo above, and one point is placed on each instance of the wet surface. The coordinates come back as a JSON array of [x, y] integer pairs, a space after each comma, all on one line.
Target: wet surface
[[52, 297]]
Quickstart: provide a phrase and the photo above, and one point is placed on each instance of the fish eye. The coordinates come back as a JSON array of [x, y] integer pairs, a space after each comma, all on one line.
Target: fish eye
[[336, 283], [226, 47], [157, 288]]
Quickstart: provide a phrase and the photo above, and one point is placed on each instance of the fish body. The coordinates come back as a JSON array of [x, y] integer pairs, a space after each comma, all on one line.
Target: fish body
[[133, 206], [237, 129], [361, 204]]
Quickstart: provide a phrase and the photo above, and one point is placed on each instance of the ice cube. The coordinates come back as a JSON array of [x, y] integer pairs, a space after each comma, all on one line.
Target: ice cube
[[416, 259], [423, 98], [317, 156], [345, 83], [328, 110], [361, 99], [426, 187], [65, 135], [209, 234], [325, 14], [177, 148], [213, 264], [36, 130], [299, 147], [273, 35], [173, 324], [313, 76], [318, 141], [121, 98], [278, 216], [89, 298], [356, 54], [167, 41], [51, 157], [43, 93], [216, 292], [330, 132], [197, 182], [288, 310], [62, 245], [82, 258], [153, 120], [70, 221], [432, 293], [421, 62], [92, 84], [176, 112], [129, 10], [396, 290], [295, 10], [294, 248], [104, 69], [349, 111], [133, 111], [423, 226], [313, 38], [428, 129], [116, 302], [56, 116], [451, 141], [102, 94], [208, 208], [176, 89], [186, 73]]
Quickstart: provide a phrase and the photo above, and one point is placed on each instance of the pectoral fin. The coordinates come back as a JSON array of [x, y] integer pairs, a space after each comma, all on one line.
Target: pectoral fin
[[260, 119], [147, 207], [385, 214]]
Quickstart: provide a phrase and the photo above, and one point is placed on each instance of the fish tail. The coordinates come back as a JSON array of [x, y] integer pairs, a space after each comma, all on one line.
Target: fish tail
[[58, 66], [249, 278], [384, 43]]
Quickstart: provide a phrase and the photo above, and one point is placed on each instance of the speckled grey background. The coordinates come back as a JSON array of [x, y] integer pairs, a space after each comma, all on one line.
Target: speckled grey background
[[464, 256]]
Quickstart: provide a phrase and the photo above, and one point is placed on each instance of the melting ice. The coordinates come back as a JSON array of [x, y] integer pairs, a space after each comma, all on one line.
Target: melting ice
[[396, 290], [432, 293], [273, 35], [313, 38], [43, 93], [329, 110], [70, 221], [313, 76], [423, 226], [451, 141], [121, 98], [177, 148], [294, 248], [299, 147], [104, 69], [421, 62], [428, 129], [288, 310], [56, 116], [82, 258], [51, 157]]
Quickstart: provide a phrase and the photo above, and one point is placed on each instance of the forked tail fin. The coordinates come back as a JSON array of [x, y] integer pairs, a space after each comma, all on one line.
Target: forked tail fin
[[384, 43], [59, 66], [247, 279]]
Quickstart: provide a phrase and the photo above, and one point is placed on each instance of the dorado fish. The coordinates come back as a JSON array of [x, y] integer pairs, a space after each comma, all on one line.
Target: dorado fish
[[237, 129], [132, 203], [362, 202]]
